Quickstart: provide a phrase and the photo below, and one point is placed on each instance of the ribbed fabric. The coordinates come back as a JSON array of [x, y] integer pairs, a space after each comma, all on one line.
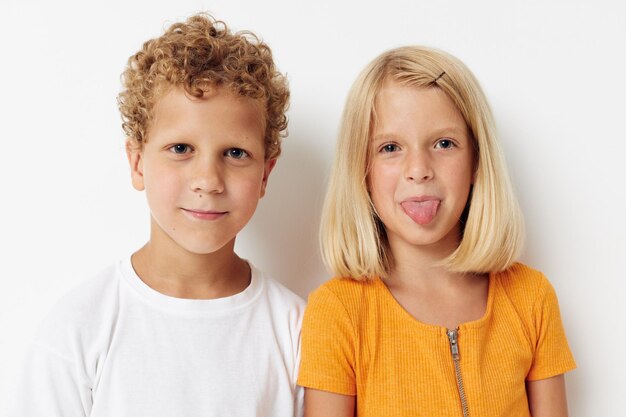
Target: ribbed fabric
[[357, 340]]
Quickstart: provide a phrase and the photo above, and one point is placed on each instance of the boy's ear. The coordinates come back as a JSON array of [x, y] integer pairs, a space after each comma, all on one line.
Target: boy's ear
[[135, 160], [269, 166]]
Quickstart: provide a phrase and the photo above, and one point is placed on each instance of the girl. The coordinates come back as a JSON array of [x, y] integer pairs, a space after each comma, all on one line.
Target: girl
[[432, 315]]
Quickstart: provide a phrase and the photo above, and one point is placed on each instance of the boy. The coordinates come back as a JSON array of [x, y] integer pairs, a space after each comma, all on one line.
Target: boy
[[183, 327]]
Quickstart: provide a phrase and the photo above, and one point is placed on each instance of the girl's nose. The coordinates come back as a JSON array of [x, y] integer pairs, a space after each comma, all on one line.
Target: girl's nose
[[418, 167]]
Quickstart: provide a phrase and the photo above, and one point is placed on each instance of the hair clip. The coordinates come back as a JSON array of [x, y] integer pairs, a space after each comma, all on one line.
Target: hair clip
[[440, 75]]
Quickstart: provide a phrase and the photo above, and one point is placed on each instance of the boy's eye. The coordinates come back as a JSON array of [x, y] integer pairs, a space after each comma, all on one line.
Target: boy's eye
[[180, 148], [236, 153], [390, 147], [444, 144]]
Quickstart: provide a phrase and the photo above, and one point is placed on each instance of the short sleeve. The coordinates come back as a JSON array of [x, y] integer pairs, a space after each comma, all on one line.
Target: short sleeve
[[51, 385], [552, 355], [328, 345]]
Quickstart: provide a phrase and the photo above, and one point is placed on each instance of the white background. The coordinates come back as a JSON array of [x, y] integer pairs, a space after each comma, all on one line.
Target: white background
[[554, 73]]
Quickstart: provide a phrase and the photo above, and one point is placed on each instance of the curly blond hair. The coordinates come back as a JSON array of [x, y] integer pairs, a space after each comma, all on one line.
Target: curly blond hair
[[200, 54]]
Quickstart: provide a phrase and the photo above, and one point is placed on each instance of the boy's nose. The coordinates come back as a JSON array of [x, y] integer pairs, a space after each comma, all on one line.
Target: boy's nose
[[207, 177], [418, 167]]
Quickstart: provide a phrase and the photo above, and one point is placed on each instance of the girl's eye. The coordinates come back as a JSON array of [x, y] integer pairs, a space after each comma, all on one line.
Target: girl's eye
[[445, 144], [180, 148], [390, 147], [236, 153]]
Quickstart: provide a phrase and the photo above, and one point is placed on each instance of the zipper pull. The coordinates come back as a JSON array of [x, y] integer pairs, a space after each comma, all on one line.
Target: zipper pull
[[453, 336]]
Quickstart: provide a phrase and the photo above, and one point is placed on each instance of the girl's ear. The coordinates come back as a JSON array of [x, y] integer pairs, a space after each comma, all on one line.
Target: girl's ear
[[475, 164], [466, 210], [135, 160]]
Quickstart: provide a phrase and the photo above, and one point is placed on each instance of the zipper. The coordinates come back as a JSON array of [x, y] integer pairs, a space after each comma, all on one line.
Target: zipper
[[453, 337]]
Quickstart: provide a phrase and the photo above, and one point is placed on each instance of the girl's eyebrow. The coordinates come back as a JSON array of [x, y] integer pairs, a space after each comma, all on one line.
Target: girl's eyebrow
[[382, 136], [453, 131]]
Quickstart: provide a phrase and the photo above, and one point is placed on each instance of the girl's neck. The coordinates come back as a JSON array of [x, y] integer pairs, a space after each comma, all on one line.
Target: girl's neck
[[431, 293], [174, 271], [414, 272], [415, 263]]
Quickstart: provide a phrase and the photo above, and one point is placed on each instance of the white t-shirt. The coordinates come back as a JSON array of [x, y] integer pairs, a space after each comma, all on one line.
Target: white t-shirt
[[115, 347]]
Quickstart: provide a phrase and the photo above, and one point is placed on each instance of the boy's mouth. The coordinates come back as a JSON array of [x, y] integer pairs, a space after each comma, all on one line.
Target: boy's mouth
[[205, 214], [422, 210]]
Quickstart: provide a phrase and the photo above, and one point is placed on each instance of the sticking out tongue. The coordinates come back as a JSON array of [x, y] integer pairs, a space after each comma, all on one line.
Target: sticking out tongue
[[422, 212]]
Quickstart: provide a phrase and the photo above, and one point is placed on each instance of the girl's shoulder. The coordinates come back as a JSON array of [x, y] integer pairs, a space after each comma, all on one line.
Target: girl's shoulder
[[525, 287], [345, 287], [521, 278], [347, 293]]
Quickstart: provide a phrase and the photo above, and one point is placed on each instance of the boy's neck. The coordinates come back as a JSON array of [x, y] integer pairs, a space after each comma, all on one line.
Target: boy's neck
[[179, 273]]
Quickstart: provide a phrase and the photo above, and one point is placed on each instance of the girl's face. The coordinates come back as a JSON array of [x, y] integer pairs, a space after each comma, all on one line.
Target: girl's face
[[421, 167]]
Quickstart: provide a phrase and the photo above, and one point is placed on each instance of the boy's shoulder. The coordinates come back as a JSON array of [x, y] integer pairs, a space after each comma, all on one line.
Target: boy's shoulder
[[99, 297], [277, 294], [84, 308]]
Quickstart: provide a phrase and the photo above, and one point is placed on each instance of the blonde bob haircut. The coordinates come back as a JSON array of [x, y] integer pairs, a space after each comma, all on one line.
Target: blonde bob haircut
[[353, 239]]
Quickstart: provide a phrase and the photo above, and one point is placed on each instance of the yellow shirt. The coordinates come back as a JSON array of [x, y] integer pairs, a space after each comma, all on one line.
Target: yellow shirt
[[357, 340]]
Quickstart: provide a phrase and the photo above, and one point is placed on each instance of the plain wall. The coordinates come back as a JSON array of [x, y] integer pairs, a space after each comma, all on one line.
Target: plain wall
[[552, 70]]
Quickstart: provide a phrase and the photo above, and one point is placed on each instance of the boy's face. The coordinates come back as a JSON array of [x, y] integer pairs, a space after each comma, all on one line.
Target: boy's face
[[203, 168]]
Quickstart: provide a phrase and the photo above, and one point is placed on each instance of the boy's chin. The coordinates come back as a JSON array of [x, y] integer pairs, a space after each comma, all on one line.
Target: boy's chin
[[187, 242], [208, 248]]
